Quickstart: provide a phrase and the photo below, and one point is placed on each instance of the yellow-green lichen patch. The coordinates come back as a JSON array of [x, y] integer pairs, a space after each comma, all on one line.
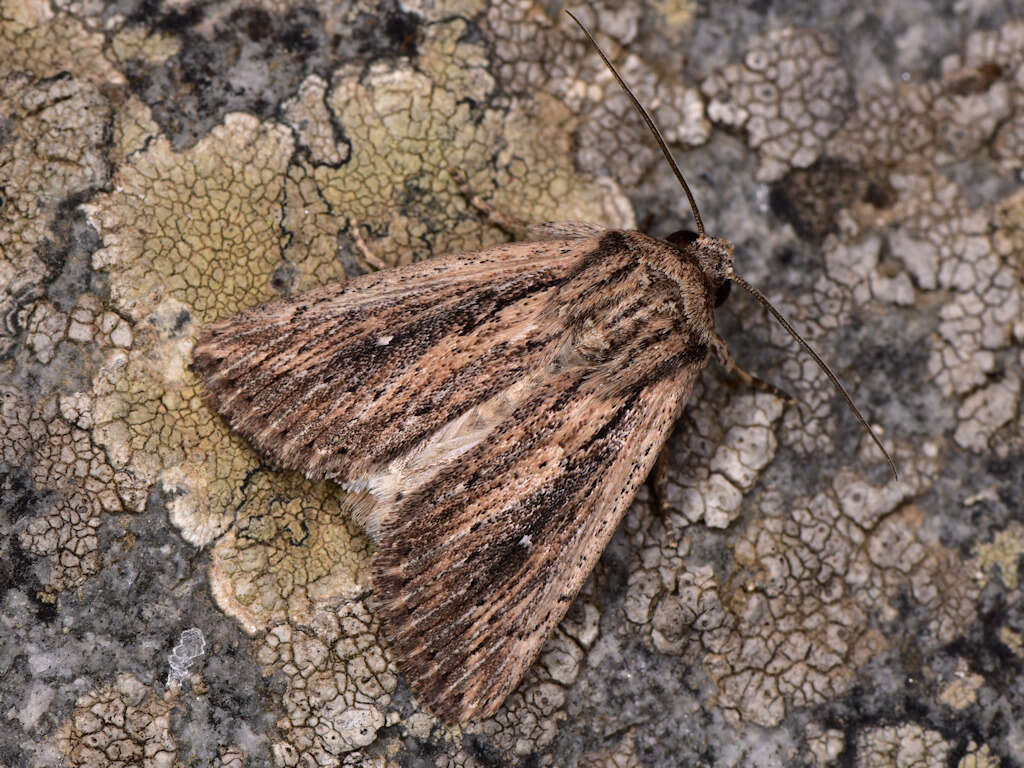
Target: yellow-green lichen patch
[[291, 547], [133, 127], [120, 725], [190, 237], [1004, 552], [310, 256], [202, 226], [677, 13], [53, 148], [137, 42], [41, 43], [408, 126], [57, 147]]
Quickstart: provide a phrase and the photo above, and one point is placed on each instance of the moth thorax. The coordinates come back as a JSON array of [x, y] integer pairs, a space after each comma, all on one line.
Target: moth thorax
[[715, 258]]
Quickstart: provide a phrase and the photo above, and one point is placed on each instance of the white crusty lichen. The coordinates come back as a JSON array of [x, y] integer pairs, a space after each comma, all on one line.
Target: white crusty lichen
[[823, 745], [814, 578], [737, 436], [184, 656], [534, 55], [52, 439], [901, 746], [339, 681], [790, 94], [926, 241]]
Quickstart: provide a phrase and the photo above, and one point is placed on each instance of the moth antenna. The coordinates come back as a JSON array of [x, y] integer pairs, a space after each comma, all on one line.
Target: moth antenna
[[650, 124], [821, 364]]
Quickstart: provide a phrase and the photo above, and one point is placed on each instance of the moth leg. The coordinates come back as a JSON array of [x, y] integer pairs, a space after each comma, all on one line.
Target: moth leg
[[369, 256], [657, 480], [721, 350], [518, 228], [515, 226]]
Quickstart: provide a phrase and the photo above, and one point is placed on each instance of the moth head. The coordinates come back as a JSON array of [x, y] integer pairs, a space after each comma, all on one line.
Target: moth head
[[714, 257]]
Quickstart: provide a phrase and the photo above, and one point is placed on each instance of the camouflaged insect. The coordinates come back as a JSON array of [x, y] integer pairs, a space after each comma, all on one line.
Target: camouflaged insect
[[494, 413]]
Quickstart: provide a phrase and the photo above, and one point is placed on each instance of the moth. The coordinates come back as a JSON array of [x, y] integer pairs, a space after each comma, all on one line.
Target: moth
[[493, 413]]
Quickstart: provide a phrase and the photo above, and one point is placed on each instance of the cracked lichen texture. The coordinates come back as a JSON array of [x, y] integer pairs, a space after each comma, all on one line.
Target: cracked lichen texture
[[902, 746], [407, 126], [789, 95], [911, 131], [55, 120], [55, 125], [815, 578], [53, 147], [531, 53], [120, 725]]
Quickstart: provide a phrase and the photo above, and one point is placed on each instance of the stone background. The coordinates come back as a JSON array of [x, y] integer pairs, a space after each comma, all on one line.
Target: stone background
[[164, 164]]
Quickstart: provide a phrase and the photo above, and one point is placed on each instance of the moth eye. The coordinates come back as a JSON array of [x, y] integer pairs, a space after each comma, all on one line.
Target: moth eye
[[682, 238], [722, 293]]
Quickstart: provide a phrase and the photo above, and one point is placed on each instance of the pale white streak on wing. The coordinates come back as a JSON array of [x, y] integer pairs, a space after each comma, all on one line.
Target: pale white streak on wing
[[415, 469]]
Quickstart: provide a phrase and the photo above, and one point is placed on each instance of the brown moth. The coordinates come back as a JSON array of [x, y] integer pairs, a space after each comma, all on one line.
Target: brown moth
[[494, 413]]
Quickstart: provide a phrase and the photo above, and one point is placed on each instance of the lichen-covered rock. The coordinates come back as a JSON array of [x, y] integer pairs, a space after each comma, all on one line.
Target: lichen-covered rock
[[790, 94], [790, 602], [903, 746], [120, 725]]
